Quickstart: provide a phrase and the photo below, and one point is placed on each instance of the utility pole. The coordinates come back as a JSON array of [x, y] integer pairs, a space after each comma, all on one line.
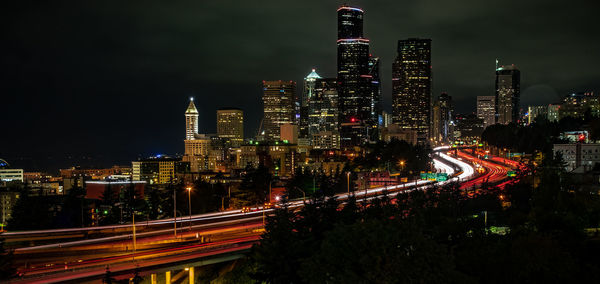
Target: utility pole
[[175, 212], [134, 244]]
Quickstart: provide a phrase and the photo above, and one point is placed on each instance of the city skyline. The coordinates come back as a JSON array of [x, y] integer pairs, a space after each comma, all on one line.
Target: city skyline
[[81, 101]]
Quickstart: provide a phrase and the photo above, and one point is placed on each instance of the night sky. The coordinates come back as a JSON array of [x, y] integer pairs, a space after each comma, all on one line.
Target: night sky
[[110, 80]]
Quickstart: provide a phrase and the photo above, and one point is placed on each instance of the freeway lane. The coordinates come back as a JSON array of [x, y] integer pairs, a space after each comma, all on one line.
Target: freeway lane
[[495, 172], [153, 259], [83, 257]]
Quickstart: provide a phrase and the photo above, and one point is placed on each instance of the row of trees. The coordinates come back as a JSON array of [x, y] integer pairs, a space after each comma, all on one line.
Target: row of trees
[[520, 234], [538, 136]]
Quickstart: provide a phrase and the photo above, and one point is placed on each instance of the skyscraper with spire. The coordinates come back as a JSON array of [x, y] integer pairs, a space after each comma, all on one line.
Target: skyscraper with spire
[[197, 146], [307, 94], [191, 120]]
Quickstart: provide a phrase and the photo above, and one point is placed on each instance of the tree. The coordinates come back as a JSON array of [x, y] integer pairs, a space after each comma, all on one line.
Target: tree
[[6, 262], [379, 251], [30, 212]]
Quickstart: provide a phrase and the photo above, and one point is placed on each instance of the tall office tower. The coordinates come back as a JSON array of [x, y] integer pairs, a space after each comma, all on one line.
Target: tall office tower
[[436, 123], [486, 110], [508, 91], [375, 91], [446, 116], [230, 125], [191, 120], [307, 95], [279, 99], [386, 119], [411, 87], [323, 107], [353, 77]]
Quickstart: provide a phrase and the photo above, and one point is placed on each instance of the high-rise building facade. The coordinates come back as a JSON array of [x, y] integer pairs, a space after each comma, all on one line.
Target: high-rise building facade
[[279, 107], [354, 77], [307, 94], [446, 116], [486, 110], [230, 125], [323, 107], [375, 92], [411, 87], [436, 123], [533, 112], [191, 120], [508, 92]]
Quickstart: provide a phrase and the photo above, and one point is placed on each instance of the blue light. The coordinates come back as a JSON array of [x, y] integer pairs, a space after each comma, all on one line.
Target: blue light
[[283, 91]]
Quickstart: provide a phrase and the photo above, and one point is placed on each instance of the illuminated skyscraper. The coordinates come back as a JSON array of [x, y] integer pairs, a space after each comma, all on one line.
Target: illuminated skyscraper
[[191, 120], [230, 125], [375, 83], [323, 107], [486, 110], [508, 92], [354, 78], [307, 95], [279, 107], [411, 87]]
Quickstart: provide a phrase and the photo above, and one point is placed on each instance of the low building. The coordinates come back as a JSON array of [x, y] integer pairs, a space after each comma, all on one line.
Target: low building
[[7, 203], [326, 140], [578, 157], [7, 175], [396, 132], [98, 174], [96, 189], [159, 170]]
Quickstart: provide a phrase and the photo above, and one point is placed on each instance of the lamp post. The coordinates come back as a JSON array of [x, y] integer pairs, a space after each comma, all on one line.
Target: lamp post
[[175, 212], [270, 181], [303, 193], [348, 182], [189, 190], [134, 244]]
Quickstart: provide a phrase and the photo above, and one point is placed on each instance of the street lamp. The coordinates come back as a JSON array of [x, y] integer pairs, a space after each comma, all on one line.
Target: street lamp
[[189, 189], [133, 224], [348, 182], [175, 211]]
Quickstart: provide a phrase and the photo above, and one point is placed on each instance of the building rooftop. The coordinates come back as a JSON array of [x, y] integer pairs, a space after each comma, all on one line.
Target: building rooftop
[[191, 107]]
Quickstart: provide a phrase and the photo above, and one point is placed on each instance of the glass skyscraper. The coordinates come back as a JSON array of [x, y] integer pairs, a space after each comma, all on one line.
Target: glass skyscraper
[[355, 90], [411, 87], [508, 92]]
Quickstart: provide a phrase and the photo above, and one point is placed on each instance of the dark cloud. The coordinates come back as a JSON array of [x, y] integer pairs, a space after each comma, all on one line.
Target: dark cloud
[[112, 78]]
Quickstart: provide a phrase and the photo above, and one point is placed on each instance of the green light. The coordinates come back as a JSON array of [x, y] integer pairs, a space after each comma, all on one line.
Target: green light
[[105, 212], [285, 141], [276, 142]]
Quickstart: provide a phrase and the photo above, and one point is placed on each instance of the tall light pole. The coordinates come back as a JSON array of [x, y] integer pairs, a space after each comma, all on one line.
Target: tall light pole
[[270, 181], [134, 244], [175, 211], [348, 182], [189, 189]]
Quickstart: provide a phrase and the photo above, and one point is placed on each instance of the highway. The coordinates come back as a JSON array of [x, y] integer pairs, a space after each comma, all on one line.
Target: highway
[[211, 234]]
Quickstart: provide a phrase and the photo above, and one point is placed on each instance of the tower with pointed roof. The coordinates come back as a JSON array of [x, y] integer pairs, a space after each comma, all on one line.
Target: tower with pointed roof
[[307, 94], [191, 121]]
